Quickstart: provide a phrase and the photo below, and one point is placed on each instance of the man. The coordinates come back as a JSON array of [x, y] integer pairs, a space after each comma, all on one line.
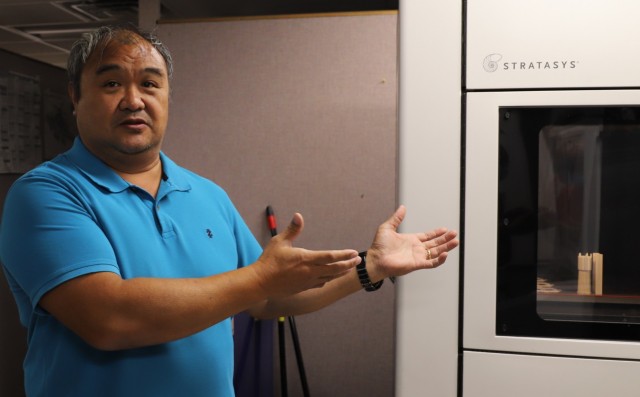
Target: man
[[127, 268]]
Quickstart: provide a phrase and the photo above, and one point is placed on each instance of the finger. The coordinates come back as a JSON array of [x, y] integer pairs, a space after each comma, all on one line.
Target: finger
[[333, 270], [294, 228], [332, 257], [451, 245], [448, 241], [439, 260], [440, 237], [436, 259], [432, 234], [445, 246]]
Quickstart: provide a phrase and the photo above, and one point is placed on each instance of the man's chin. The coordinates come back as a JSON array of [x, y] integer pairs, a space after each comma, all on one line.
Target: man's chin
[[136, 148]]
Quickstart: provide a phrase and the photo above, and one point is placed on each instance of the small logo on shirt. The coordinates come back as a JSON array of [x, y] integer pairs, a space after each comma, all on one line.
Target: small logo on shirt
[[209, 233]]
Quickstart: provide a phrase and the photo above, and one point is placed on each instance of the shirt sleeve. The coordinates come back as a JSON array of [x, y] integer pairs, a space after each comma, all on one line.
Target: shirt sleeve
[[48, 236]]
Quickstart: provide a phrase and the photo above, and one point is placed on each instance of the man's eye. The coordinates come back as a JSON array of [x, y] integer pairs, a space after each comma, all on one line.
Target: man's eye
[[148, 84], [111, 84]]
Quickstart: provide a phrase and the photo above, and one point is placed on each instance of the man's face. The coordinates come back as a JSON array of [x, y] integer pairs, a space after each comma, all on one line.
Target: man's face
[[122, 111]]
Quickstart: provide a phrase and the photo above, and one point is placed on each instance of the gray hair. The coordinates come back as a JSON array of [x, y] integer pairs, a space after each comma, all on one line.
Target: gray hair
[[98, 39]]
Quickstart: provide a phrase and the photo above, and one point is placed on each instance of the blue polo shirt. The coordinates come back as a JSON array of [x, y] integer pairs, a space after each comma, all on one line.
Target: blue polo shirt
[[73, 216]]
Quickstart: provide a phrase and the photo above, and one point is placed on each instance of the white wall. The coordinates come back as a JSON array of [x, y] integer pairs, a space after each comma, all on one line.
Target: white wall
[[430, 114]]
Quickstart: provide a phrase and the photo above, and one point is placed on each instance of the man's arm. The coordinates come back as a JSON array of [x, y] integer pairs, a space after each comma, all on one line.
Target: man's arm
[[391, 254], [111, 313]]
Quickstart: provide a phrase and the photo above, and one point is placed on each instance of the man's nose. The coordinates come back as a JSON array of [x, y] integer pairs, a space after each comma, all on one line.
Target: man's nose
[[131, 100]]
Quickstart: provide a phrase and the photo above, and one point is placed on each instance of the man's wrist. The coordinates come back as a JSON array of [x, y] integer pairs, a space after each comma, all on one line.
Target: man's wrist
[[363, 275]]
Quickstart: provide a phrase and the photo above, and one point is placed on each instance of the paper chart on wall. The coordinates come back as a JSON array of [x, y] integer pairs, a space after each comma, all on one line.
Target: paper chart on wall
[[20, 123]]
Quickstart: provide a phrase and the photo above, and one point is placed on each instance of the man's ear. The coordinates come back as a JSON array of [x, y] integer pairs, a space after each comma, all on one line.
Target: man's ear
[[72, 94]]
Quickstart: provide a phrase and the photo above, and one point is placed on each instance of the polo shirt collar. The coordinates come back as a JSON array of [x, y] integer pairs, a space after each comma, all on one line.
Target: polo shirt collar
[[104, 176], [173, 175]]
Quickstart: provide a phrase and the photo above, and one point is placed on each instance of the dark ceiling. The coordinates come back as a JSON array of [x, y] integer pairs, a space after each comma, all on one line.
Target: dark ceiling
[[44, 30], [234, 8]]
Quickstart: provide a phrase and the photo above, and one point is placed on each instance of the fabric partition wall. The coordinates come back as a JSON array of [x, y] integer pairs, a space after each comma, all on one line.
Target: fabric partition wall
[[300, 113]]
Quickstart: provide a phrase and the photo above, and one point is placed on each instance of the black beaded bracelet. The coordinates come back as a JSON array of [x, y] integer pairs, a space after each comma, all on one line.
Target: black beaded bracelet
[[363, 276]]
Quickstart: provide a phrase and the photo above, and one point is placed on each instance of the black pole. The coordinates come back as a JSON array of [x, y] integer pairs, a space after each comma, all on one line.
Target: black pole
[[296, 345], [283, 358], [271, 221]]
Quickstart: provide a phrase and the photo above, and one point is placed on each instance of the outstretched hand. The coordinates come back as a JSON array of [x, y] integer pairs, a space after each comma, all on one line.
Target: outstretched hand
[[284, 270], [396, 254]]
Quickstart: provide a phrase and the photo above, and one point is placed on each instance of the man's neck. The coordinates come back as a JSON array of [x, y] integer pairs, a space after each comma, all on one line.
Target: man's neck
[[147, 178]]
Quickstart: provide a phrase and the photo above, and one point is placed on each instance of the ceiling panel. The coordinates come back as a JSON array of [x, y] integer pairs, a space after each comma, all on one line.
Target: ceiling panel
[[25, 47], [30, 13], [9, 36]]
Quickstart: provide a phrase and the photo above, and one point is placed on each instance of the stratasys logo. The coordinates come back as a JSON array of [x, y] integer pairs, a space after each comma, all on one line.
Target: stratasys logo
[[494, 62]]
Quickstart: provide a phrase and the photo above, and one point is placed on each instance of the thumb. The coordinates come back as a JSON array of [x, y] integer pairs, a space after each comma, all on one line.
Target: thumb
[[396, 219], [294, 228]]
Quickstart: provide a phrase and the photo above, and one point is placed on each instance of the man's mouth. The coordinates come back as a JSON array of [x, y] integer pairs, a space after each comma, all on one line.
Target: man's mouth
[[134, 123]]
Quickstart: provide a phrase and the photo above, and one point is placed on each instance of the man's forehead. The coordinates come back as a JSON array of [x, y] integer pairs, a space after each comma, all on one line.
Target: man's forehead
[[122, 50]]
